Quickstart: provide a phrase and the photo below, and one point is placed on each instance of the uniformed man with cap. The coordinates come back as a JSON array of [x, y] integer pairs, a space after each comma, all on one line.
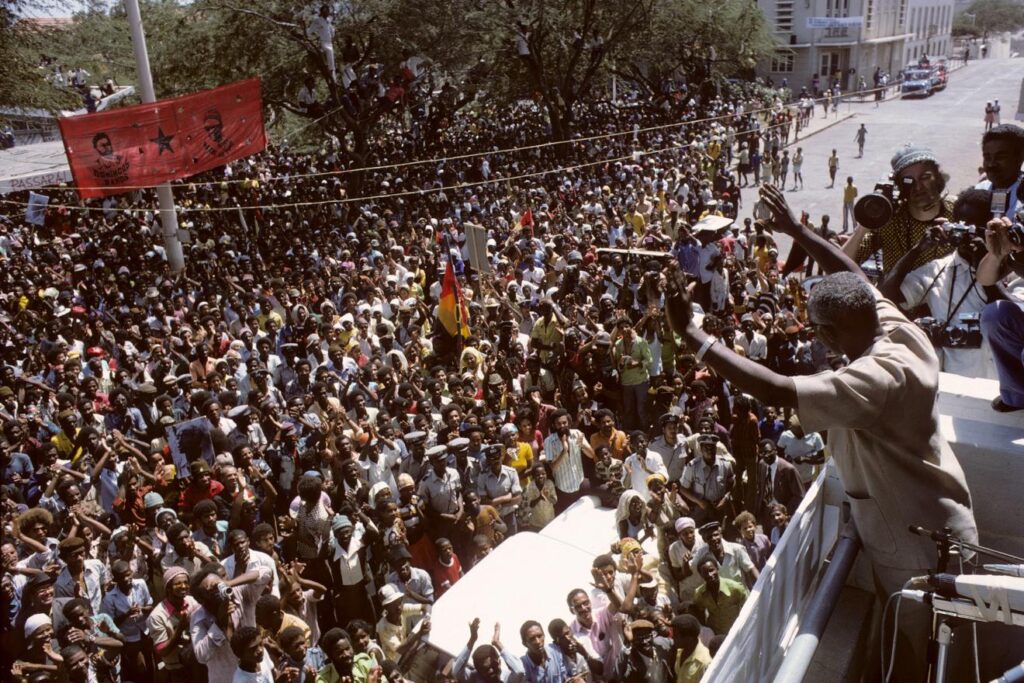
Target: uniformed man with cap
[[708, 481], [670, 446], [416, 464], [441, 492], [247, 431], [466, 465], [498, 485]]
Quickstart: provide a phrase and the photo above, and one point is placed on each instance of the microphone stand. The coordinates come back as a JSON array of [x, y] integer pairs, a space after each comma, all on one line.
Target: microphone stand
[[946, 546]]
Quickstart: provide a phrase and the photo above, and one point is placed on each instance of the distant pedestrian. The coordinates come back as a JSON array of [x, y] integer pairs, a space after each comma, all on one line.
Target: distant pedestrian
[[826, 102], [984, 50], [798, 163], [990, 116], [755, 166], [860, 137], [995, 112], [743, 164], [833, 167], [783, 169], [849, 195]]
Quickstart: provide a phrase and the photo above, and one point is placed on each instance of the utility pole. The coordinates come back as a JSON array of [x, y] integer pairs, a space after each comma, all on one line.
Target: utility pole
[[168, 216]]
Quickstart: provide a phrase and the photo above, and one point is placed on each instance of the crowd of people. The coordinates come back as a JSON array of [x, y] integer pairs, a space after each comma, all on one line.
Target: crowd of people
[[270, 466]]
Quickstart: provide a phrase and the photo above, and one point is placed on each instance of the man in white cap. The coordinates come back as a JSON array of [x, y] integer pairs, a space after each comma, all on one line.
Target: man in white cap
[[680, 553], [393, 629]]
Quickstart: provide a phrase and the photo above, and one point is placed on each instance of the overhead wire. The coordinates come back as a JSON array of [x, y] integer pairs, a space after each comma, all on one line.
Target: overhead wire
[[393, 195], [470, 155]]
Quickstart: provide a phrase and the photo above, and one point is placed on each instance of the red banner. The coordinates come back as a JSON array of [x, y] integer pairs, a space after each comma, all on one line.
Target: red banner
[[145, 145]]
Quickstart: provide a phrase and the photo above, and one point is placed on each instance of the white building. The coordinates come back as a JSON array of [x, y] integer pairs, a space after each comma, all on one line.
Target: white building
[[867, 34], [930, 22]]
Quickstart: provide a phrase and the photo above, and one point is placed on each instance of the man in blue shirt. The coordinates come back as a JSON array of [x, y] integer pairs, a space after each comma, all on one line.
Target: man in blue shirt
[[541, 663]]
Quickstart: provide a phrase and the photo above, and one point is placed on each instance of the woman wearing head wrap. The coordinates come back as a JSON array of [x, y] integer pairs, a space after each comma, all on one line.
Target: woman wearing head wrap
[[39, 641], [631, 516]]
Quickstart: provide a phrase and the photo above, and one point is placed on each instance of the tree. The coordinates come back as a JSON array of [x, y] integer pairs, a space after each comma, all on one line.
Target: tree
[[989, 16], [553, 51], [695, 41], [24, 43]]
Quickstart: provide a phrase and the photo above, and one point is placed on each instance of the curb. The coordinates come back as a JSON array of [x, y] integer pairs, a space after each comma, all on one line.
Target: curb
[[843, 117]]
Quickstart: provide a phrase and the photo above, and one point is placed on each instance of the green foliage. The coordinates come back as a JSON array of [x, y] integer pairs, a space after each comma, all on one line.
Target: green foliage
[[23, 43], [696, 40], [990, 16], [574, 48]]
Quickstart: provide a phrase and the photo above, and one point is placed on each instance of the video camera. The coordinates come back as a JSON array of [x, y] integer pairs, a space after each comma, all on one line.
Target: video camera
[[964, 334], [876, 208]]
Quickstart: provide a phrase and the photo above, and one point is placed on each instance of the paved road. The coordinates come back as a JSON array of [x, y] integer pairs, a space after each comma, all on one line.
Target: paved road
[[950, 122]]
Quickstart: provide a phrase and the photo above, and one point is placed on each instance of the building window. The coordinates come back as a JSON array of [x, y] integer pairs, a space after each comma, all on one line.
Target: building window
[[784, 16], [782, 62], [903, 13], [869, 14]]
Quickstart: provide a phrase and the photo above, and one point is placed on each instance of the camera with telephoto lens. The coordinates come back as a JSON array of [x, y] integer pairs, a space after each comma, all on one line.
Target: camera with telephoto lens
[[876, 208], [964, 334]]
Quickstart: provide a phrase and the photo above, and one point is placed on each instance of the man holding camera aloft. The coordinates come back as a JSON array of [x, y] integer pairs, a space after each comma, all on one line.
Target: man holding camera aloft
[[1002, 322], [1002, 153], [917, 200]]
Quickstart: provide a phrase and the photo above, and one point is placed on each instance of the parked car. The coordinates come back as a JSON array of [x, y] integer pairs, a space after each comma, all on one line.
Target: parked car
[[917, 83]]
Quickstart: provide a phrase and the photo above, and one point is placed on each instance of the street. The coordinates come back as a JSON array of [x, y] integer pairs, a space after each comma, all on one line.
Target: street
[[950, 122]]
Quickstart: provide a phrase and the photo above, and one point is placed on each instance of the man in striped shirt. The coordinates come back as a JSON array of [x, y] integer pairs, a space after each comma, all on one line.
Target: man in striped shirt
[[564, 449]]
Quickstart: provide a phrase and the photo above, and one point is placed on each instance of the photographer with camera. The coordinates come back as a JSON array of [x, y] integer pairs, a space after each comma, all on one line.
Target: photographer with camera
[[1002, 322], [948, 287], [896, 216], [1002, 153]]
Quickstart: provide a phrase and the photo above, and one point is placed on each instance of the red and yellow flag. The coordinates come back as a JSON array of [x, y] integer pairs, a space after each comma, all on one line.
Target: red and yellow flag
[[452, 310]]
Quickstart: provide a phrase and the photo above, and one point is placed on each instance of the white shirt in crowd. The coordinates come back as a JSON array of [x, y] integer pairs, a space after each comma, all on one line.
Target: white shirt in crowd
[[941, 284]]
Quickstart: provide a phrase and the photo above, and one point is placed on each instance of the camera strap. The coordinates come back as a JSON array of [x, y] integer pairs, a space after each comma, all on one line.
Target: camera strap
[[952, 287]]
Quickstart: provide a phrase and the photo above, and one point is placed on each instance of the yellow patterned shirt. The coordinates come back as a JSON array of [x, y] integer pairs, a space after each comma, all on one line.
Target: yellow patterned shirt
[[899, 236]]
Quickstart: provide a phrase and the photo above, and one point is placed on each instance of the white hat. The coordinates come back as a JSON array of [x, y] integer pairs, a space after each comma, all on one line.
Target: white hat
[[389, 593], [35, 622]]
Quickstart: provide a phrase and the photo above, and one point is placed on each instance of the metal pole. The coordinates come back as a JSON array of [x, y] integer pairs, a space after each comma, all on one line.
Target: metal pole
[[168, 216], [816, 616]]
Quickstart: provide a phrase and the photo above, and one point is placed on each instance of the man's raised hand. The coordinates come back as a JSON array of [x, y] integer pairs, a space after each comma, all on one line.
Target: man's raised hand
[[677, 301], [783, 219]]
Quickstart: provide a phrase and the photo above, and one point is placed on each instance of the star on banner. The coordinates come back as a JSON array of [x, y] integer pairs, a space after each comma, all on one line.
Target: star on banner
[[163, 141]]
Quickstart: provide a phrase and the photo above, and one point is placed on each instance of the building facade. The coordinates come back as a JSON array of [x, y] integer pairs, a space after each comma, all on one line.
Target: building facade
[[872, 36], [930, 23]]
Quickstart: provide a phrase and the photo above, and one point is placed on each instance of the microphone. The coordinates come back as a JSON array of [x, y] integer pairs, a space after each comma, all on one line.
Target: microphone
[[917, 596], [938, 536], [1014, 675], [1007, 569]]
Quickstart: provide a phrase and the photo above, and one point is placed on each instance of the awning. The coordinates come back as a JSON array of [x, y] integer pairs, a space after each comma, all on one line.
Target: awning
[[33, 166]]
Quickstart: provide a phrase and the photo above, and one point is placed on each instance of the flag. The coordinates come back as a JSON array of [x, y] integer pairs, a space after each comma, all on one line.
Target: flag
[[452, 310], [526, 218], [148, 144]]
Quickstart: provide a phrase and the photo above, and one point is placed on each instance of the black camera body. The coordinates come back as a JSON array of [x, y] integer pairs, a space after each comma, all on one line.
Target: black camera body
[[876, 208], [958, 233], [965, 333]]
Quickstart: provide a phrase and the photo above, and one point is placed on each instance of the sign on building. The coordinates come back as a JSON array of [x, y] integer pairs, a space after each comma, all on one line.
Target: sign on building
[[834, 22]]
